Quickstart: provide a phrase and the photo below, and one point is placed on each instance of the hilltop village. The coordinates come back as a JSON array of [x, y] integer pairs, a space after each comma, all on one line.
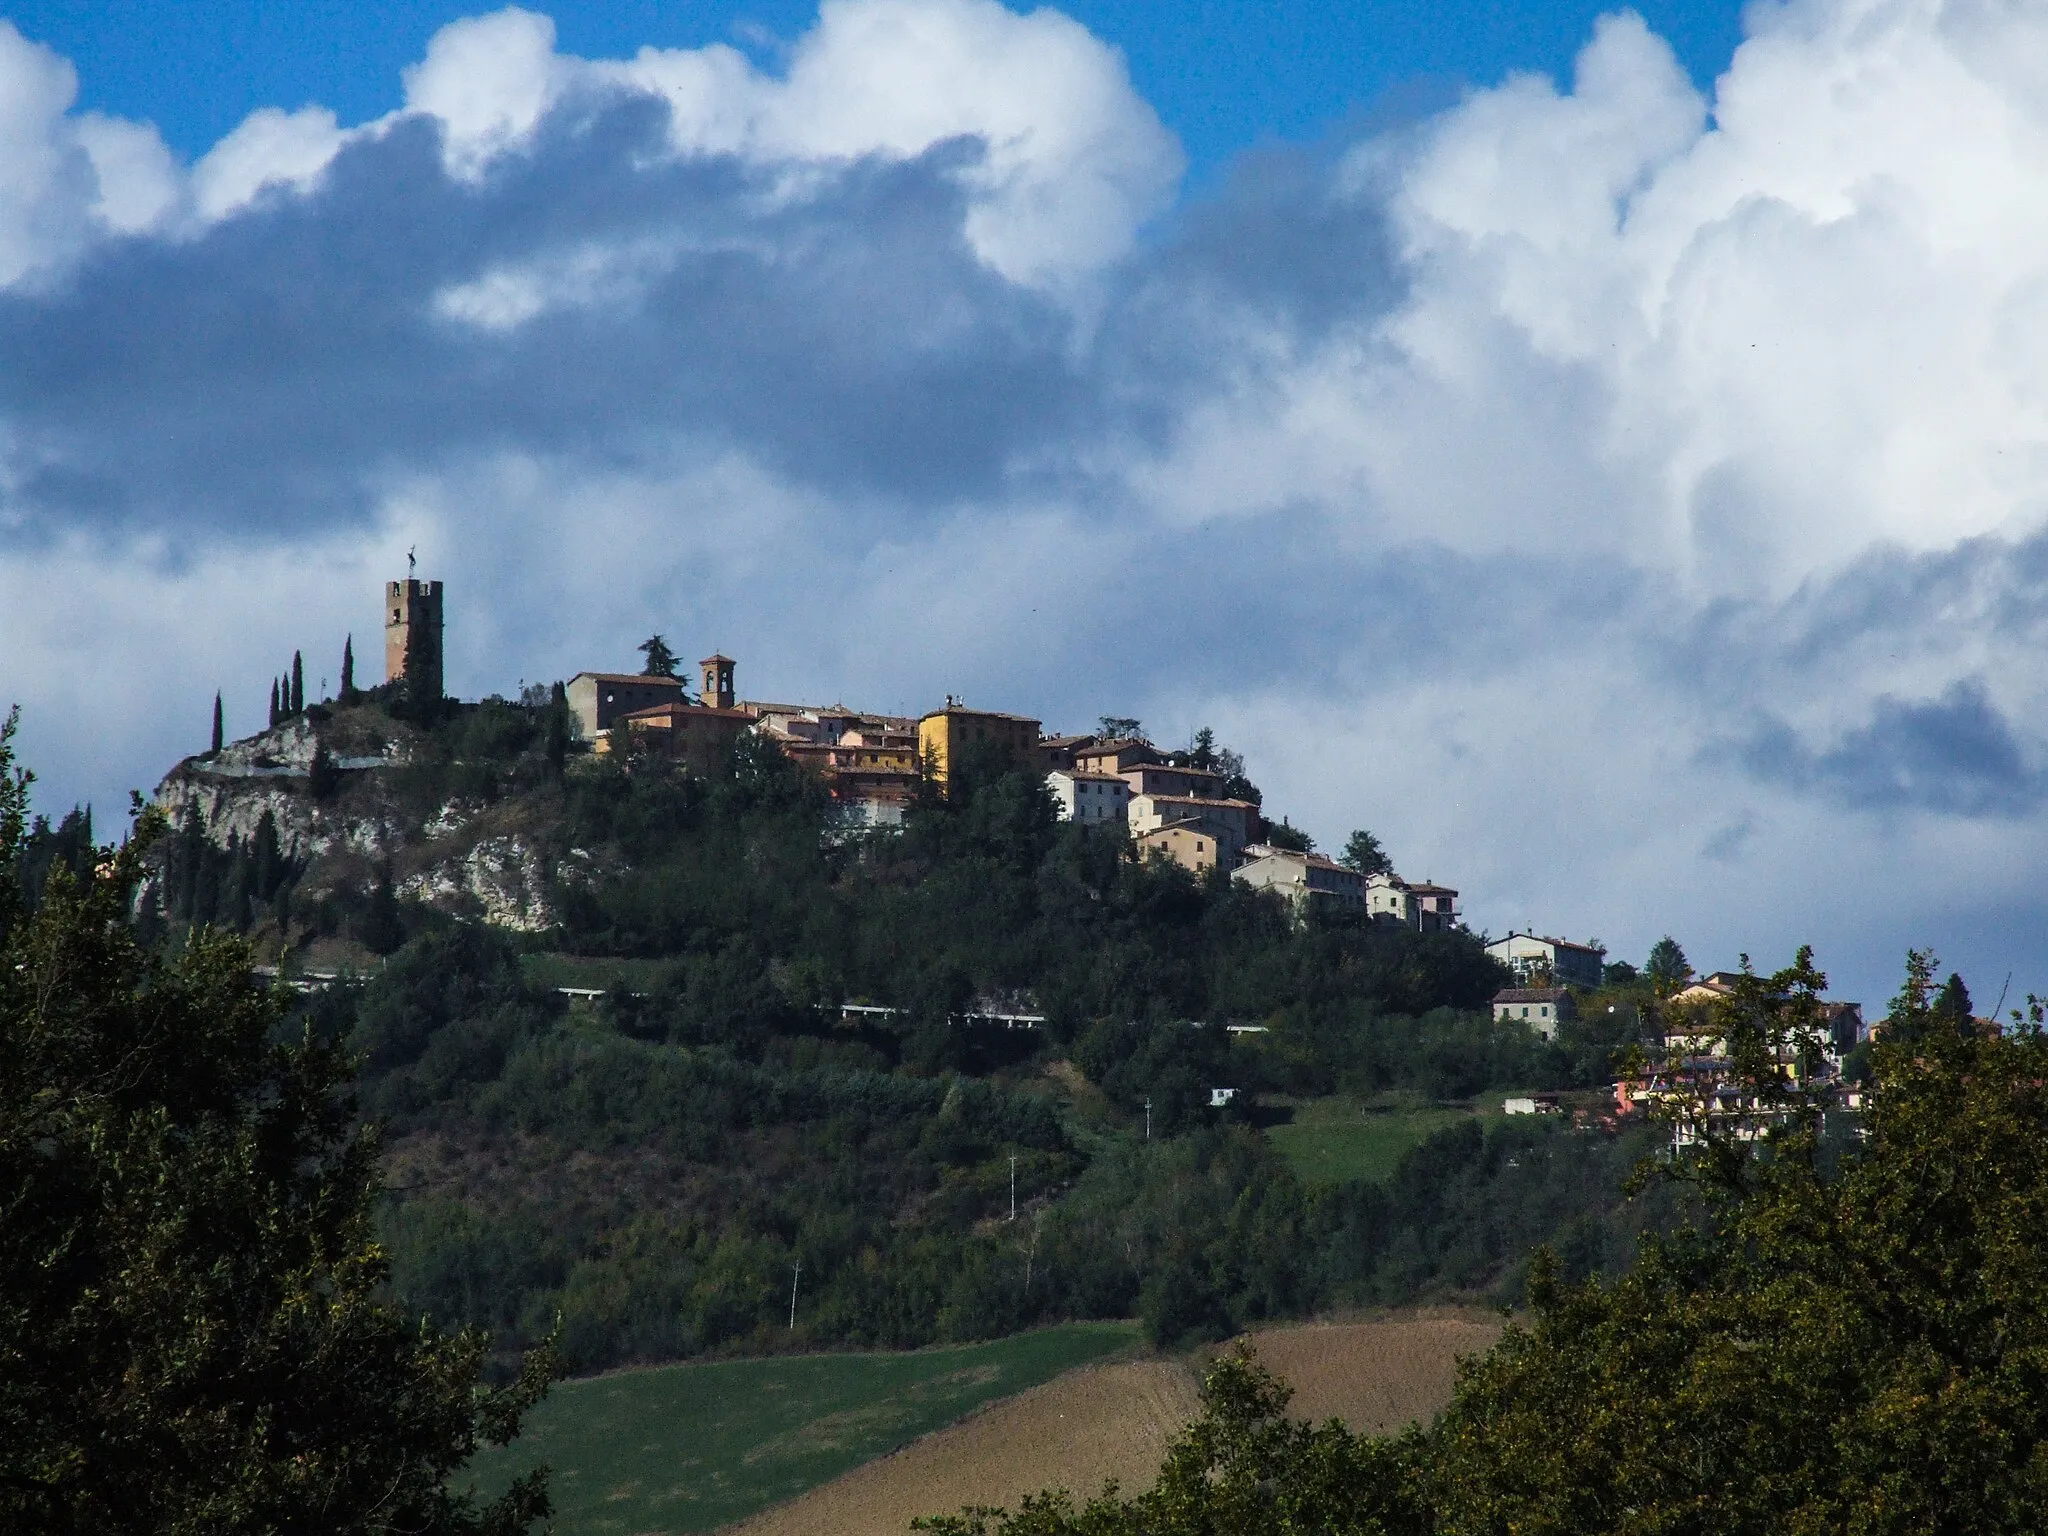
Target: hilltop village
[[1193, 807]]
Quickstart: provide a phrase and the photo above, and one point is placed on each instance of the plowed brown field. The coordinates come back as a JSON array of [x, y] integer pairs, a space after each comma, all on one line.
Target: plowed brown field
[[1114, 1422]]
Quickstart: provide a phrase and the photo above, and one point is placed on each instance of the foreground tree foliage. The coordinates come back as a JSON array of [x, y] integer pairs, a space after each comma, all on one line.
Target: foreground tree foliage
[[1855, 1340], [191, 1338]]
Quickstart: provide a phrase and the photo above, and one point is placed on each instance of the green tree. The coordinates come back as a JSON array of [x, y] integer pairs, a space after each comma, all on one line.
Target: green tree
[[191, 1335], [1120, 728], [1202, 754], [1362, 852], [1283, 834], [348, 670], [661, 661], [1953, 1006], [298, 684], [219, 723], [1243, 1468], [323, 778], [1667, 967], [1848, 1337], [14, 788], [1855, 1352], [274, 714], [557, 738]]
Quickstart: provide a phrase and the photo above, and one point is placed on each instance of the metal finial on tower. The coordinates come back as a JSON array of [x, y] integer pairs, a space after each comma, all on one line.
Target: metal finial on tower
[[411, 561]]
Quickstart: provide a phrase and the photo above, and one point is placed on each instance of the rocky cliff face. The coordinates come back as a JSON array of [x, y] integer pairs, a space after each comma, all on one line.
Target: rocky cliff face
[[377, 808]]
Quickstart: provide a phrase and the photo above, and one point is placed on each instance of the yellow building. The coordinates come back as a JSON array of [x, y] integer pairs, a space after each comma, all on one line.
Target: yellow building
[[1188, 843], [945, 733]]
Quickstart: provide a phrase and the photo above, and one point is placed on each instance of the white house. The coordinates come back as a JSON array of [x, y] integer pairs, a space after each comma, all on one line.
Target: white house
[[1430, 908], [1089, 798], [1559, 962]]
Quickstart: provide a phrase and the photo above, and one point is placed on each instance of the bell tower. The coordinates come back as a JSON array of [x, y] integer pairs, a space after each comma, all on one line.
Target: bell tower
[[717, 690], [412, 636]]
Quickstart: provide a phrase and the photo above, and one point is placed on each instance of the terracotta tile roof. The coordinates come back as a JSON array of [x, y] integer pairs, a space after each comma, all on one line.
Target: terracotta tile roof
[[670, 712]]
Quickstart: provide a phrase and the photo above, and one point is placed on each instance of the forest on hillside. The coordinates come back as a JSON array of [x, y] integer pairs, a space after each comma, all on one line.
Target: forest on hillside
[[661, 1168]]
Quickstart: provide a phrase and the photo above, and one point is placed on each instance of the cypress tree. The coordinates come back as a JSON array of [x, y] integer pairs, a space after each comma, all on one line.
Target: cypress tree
[[266, 859], [348, 670], [218, 734], [240, 876], [273, 703], [189, 857], [558, 728], [298, 684]]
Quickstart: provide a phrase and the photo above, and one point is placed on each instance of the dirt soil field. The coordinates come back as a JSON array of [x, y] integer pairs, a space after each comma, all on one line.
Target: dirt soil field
[[1114, 1422]]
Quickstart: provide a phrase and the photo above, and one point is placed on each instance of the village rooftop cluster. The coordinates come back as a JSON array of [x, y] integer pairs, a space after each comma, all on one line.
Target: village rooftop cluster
[[872, 764]]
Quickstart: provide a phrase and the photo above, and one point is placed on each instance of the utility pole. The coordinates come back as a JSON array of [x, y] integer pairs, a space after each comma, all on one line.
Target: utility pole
[[1148, 1117], [1013, 1186], [793, 1274]]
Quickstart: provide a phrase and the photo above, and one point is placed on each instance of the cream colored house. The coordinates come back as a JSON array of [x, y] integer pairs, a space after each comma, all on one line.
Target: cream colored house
[[1541, 1008], [1228, 823], [1188, 843], [1303, 878]]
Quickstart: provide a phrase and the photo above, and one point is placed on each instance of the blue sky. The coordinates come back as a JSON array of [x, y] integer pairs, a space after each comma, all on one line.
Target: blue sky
[[1605, 454], [1222, 76]]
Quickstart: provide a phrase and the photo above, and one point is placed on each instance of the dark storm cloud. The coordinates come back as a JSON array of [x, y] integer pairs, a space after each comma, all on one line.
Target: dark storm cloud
[[1956, 754], [261, 374]]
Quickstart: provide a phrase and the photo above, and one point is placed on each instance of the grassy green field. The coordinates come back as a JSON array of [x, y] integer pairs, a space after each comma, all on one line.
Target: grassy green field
[[557, 970], [690, 1447], [1337, 1141]]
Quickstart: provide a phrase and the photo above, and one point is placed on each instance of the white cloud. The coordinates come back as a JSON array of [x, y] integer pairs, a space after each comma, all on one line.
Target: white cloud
[[139, 180], [65, 180], [489, 79], [1074, 162], [268, 148], [1744, 349]]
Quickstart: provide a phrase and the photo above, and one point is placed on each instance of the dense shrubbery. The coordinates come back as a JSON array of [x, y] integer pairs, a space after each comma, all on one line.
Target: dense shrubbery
[[653, 1169]]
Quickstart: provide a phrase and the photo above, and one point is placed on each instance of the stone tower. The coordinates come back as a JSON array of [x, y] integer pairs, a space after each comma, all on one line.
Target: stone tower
[[412, 636], [717, 690]]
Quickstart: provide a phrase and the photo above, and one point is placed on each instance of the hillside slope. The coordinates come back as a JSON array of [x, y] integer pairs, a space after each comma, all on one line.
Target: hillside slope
[[1113, 1423], [652, 1167]]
